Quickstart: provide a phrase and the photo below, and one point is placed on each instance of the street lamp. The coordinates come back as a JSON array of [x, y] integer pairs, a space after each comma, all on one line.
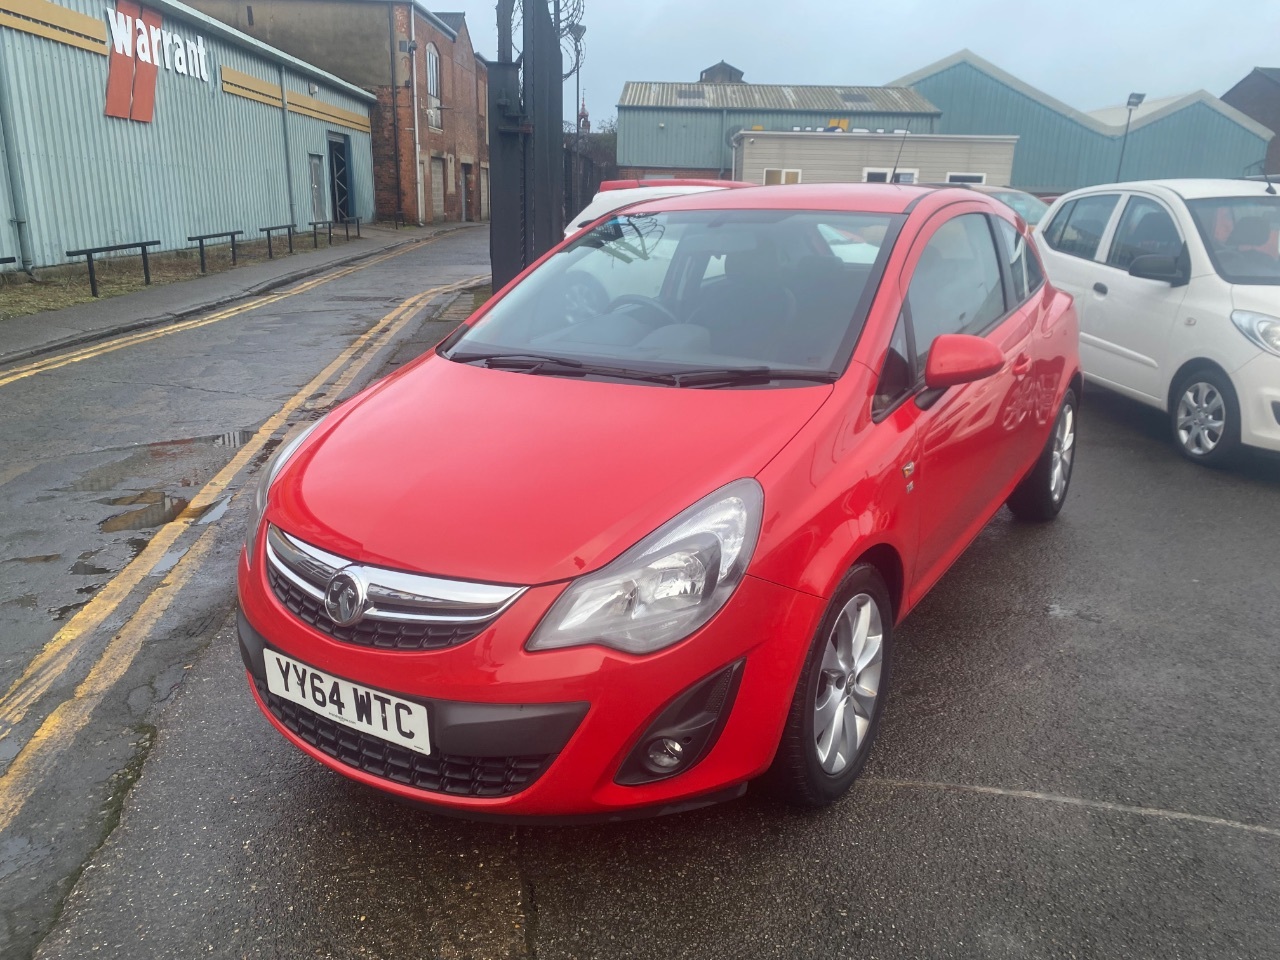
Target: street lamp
[[1135, 101]]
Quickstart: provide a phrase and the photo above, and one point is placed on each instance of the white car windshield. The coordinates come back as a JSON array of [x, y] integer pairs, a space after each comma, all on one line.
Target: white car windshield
[[671, 293], [1242, 235]]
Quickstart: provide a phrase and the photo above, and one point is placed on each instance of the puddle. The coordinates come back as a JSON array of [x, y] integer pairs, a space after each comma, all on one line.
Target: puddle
[[88, 588], [109, 476], [89, 554], [27, 601], [82, 569], [43, 558], [137, 545], [214, 511], [168, 562], [61, 613], [157, 511]]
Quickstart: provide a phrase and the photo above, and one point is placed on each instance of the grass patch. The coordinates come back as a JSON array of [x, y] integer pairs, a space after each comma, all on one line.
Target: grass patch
[[480, 295]]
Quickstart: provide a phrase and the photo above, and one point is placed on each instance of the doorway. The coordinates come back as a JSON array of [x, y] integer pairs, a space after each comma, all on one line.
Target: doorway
[[437, 190], [468, 200], [318, 208], [340, 176]]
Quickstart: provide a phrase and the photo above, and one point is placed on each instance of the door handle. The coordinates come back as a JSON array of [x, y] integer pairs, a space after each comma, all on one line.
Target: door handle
[[1022, 365], [1100, 289]]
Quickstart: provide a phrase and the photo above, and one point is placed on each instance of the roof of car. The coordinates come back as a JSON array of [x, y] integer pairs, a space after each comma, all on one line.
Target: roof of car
[[1191, 189], [853, 197]]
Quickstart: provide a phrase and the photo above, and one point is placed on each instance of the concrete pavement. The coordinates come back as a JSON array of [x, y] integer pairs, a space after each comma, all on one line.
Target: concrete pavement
[[24, 337]]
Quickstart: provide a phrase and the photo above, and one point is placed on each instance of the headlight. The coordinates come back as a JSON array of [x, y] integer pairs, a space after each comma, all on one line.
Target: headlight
[[265, 479], [1258, 327], [667, 585]]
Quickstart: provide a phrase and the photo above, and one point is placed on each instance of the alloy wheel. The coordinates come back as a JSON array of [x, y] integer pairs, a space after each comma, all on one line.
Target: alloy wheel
[[848, 684], [1064, 449], [1201, 418]]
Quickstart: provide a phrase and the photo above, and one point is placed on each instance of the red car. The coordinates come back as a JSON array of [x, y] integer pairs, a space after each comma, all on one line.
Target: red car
[[641, 530]]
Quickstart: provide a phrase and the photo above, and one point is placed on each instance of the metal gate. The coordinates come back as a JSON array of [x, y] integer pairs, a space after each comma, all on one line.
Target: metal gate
[[437, 189], [318, 211]]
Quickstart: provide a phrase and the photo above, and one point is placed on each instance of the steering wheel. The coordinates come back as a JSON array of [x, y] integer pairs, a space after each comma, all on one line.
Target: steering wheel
[[583, 296], [641, 301]]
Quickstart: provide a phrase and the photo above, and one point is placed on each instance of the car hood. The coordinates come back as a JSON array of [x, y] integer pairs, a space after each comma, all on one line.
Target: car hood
[[1258, 298], [491, 475]]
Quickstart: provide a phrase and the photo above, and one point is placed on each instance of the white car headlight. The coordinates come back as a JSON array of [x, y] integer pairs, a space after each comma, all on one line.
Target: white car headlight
[[265, 479], [1258, 327], [667, 585]]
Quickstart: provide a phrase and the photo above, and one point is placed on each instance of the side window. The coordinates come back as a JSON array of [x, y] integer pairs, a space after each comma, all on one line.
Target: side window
[[1035, 272], [1015, 254], [895, 376], [956, 287], [1145, 228], [1077, 229]]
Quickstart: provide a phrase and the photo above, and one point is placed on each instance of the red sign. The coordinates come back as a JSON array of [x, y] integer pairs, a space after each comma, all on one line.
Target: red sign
[[139, 46]]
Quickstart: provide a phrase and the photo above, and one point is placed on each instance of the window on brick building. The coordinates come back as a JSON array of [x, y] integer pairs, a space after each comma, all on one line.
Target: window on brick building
[[434, 113]]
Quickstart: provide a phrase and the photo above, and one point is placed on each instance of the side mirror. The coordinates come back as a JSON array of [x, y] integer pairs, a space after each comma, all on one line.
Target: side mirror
[[1170, 270], [956, 358]]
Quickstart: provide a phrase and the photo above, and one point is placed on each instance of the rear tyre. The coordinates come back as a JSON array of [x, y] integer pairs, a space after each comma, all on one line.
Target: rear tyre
[[1204, 415], [836, 710], [1040, 495]]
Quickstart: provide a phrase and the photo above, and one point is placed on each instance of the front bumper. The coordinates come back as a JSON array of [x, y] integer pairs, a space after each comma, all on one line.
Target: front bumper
[[544, 734], [1258, 388]]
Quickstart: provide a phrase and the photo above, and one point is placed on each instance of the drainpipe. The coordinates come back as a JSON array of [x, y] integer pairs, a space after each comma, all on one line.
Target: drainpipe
[[288, 151], [413, 68], [17, 186], [724, 129], [395, 110]]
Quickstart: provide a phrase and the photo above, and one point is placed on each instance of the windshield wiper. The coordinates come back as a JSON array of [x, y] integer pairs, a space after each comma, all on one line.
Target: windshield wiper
[[737, 376], [515, 361], [564, 366]]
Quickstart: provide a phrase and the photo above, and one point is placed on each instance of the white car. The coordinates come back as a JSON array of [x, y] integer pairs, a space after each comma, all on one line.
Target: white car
[[614, 194], [1177, 285]]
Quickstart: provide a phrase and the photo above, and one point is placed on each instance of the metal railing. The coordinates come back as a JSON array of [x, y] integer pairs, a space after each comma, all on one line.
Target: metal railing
[[8, 259], [216, 236], [271, 255], [90, 251]]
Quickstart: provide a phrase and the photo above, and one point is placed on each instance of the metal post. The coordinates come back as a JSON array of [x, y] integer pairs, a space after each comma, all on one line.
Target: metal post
[[291, 238], [331, 233], [233, 249], [315, 235], [1124, 143], [93, 275], [270, 254], [203, 268], [288, 152], [146, 267]]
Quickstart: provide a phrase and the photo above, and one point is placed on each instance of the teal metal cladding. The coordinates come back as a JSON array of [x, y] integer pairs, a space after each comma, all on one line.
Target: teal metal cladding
[[699, 139], [209, 160], [1057, 152]]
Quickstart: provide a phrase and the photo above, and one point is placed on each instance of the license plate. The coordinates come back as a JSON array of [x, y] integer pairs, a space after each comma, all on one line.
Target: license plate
[[361, 708]]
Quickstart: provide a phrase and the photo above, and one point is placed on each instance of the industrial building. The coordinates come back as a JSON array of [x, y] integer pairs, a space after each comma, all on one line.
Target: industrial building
[[1061, 148], [687, 129], [128, 123], [1258, 96], [770, 156], [430, 122]]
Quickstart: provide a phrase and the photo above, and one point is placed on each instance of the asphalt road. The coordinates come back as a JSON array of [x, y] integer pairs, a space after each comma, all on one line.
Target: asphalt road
[[118, 468], [1079, 759]]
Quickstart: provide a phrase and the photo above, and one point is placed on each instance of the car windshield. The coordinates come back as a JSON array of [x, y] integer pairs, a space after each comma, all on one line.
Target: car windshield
[[1029, 208], [1242, 235], [694, 294]]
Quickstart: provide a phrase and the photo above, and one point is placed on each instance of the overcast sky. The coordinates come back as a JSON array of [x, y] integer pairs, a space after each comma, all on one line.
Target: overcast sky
[[1089, 53]]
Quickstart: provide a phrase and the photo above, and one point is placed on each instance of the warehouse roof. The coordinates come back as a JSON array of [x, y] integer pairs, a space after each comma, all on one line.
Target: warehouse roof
[[454, 21], [768, 96]]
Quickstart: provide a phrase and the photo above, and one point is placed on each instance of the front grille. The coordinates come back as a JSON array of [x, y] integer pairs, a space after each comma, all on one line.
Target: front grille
[[381, 634], [438, 773]]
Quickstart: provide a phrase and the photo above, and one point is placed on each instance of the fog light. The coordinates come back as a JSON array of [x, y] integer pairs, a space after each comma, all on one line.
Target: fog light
[[665, 754], [684, 731]]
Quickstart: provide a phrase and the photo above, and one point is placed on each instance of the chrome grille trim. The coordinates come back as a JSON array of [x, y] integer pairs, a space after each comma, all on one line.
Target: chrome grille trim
[[394, 596]]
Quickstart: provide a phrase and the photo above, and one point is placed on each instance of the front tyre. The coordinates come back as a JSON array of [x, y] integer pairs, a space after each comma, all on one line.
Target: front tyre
[[1205, 417], [836, 710], [1040, 495]]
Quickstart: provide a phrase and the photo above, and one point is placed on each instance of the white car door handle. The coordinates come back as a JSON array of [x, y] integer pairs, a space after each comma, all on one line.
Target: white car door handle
[[1100, 289]]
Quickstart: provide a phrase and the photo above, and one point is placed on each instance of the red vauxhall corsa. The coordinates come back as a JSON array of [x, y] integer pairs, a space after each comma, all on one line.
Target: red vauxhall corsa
[[641, 531]]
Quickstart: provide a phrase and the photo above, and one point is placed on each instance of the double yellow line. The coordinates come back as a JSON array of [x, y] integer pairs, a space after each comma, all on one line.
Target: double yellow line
[[37, 756], [142, 336]]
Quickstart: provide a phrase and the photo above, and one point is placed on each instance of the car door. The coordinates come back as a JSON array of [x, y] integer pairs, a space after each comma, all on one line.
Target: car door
[[971, 453], [1070, 246], [1131, 319]]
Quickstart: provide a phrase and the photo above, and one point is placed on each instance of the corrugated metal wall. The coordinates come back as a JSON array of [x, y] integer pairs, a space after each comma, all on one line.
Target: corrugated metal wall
[[208, 161], [1057, 153], [700, 139], [8, 231]]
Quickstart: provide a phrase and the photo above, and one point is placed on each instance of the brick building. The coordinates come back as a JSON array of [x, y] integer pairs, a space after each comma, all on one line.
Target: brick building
[[1258, 96], [429, 127]]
